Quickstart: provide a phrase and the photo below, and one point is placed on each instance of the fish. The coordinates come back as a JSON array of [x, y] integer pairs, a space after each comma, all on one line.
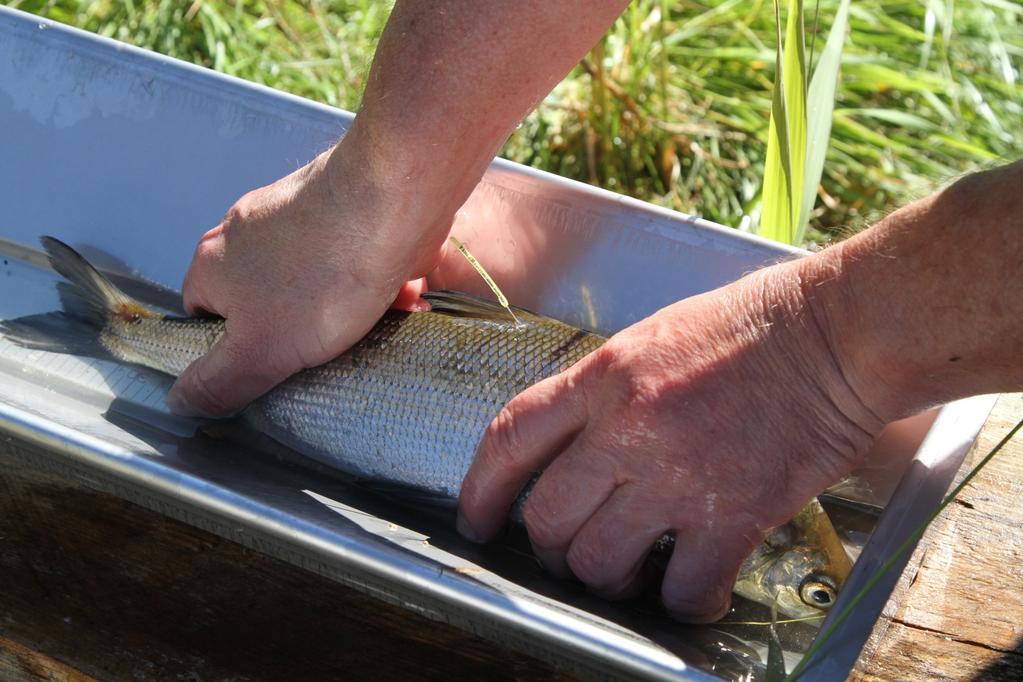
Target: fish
[[407, 405], [800, 567]]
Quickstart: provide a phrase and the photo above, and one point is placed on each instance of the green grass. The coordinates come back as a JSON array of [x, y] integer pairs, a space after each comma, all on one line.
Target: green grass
[[673, 105]]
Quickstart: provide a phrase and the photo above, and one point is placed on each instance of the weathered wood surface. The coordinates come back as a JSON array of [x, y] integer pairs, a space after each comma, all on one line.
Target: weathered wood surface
[[19, 662], [95, 588], [960, 614], [92, 587]]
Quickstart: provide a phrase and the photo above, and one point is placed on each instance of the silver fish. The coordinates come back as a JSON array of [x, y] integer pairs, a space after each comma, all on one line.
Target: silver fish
[[407, 405]]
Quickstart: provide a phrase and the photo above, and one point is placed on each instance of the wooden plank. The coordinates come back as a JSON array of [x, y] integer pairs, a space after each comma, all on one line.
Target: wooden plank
[[20, 663], [99, 588], [118, 592], [911, 653], [961, 614]]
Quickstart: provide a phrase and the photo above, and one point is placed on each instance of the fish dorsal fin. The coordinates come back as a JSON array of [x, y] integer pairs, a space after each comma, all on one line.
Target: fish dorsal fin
[[461, 304]]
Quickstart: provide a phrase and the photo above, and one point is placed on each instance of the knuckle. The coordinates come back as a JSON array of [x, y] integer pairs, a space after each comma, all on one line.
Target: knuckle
[[503, 441], [234, 215], [640, 392], [243, 210], [616, 369], [602, 362], [210, 246]]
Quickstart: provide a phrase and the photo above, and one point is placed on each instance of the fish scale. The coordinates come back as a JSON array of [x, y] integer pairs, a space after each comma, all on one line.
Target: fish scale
[[408, 404]]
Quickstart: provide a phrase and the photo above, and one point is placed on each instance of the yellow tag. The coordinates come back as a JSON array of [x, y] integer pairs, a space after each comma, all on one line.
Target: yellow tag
[[486, 277]]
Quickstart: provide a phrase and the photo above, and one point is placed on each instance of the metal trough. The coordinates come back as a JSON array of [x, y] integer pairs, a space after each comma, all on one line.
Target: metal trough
[[130, 156]]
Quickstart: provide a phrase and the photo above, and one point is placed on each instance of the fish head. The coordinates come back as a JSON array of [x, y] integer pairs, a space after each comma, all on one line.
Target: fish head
[[800, 567]]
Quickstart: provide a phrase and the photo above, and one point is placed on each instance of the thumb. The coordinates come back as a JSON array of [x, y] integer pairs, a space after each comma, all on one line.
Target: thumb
[[226, 379]]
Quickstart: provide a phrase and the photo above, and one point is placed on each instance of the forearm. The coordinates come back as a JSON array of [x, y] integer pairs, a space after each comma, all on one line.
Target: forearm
[[450, 81], [927, 306]]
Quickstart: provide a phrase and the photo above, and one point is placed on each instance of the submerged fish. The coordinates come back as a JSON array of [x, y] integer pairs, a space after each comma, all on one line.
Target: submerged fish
[[408, 404]]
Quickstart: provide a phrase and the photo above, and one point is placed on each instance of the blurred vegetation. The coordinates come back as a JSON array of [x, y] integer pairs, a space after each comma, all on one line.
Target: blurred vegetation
[[672, 106]]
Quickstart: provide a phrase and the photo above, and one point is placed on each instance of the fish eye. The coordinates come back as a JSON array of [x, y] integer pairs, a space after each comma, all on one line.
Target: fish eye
[[818, 591]]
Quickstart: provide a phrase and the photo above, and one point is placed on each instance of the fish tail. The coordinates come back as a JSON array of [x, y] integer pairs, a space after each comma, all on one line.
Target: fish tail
[[89, 296], [90, 303]]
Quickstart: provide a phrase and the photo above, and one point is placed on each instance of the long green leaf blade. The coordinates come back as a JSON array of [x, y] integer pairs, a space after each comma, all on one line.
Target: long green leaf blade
[[775, 657], [776, 213], [795, 108], [820, 106]]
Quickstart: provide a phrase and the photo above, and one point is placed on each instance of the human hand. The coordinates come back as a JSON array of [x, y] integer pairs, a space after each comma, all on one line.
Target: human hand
[[715, 419], [301, 269]]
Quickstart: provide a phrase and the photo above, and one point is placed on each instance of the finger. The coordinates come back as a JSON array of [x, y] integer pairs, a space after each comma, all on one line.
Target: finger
[[208, 253], [698, 582], [568, 492], [226, 379], [410, 296], [609, 552], [524, 437]]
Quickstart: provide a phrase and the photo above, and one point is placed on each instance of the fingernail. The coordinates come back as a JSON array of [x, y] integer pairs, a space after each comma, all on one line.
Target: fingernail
[[181, 407], [465, 530]]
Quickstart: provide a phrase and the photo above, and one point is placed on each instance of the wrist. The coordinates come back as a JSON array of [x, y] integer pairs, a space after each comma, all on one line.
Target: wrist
[[925, 306], [398, 213], [791, 297], [827, 294], [770, 347], [840, 296]]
